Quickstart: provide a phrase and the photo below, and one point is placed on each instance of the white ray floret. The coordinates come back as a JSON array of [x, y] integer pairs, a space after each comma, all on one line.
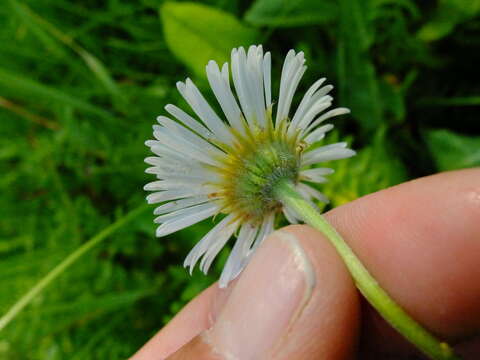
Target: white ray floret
[[207, 165]]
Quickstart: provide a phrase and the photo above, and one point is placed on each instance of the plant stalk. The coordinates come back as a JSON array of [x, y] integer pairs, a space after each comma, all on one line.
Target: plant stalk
[[368, 286]]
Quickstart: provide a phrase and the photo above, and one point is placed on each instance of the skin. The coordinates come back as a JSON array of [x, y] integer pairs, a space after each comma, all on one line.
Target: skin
[[420, 240]]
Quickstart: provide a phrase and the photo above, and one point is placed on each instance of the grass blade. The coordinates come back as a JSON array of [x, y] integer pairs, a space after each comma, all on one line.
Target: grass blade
[[65, 264], [46, 30], [29, 87]]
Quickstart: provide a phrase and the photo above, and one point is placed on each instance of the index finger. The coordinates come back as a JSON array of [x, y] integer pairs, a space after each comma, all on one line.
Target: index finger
[[420, 240]]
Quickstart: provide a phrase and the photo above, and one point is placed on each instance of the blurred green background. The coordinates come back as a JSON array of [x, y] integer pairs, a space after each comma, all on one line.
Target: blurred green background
[[81, 82]]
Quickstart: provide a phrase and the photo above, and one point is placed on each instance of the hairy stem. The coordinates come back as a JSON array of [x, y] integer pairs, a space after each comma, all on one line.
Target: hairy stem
[[368, 286]]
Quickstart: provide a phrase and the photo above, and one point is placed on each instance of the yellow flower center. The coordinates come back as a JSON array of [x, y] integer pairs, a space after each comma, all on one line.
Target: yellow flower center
[[257, 161]]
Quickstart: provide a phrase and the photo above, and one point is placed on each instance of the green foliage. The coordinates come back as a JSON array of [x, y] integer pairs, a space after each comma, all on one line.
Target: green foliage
[[375, 167], [197, 33], [453, 151], [25, 87], [50, 35], [357, 78], [447, 15], [80, 85], [286, 13]]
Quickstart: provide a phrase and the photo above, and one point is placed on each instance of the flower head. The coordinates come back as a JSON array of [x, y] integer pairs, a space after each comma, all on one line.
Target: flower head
[[212, 166]]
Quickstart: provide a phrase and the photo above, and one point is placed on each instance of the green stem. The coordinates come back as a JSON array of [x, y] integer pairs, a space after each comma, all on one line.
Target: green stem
[[368, 286], [67, 262]]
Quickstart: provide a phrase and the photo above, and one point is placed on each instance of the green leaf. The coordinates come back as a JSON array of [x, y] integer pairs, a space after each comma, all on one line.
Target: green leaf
[[393, 100], [451, 101], [26, 88], [286, 13], [448, 14], [50, 44], [357, 79], [197, 33], [49, 35], [406, 5], [452, 151], [374, 168]]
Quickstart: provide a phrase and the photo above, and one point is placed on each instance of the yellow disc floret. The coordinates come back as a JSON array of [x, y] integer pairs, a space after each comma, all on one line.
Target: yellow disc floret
[[258, 160]]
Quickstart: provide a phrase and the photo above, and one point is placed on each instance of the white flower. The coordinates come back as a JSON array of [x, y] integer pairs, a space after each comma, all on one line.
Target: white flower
[[211, 167]]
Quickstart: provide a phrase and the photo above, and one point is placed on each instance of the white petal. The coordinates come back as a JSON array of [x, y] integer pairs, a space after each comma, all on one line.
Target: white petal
[[240, 81], [317, 107], [318, 134], [211, 243], [180, 204], [304, 105], [186, 212], [290, 215], [167, 155], [178, 194], [163, 151], [189, 136], [327, 153], [251, 245], [181, 173], [219, 243], [334, 154], [328, 147], [293, 84], [316, 175], [238, 256], [305, 192], [203, 110], [170, 184], [267, 83], [322, 92], [327, 115], [254, 75], [189, 121], [289, 59], [178, 164], [226, 75], [153, 160], [221, 88], [292, 72], [177, 142], [311, 192], [265, 230], [182, 222]]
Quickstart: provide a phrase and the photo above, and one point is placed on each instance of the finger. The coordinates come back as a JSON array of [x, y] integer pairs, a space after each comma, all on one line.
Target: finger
[[421, 241], [294, 301], [196, 316]]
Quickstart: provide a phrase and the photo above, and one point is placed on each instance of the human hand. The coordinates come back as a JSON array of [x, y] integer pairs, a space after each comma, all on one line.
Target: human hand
[[296, 300]]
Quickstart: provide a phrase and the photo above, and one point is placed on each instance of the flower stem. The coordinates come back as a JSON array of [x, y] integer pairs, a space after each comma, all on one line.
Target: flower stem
[[368, 286]]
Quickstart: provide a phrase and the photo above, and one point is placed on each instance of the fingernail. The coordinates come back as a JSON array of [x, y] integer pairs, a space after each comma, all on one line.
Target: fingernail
[[265, 302]]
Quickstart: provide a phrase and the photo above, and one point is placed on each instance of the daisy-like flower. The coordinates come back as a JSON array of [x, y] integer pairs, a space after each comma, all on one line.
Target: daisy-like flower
[[211, 167]]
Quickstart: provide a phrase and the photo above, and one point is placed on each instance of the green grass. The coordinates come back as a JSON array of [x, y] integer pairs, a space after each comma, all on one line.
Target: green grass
[[81, 83]]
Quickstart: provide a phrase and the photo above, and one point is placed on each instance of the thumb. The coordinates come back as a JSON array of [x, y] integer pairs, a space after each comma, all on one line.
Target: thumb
[[295, 300]]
